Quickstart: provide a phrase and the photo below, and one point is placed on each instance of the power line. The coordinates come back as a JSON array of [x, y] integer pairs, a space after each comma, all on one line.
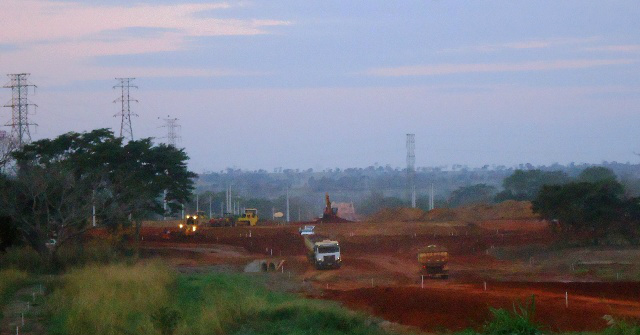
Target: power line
[[173, 137], [19, 104], [126, 129]]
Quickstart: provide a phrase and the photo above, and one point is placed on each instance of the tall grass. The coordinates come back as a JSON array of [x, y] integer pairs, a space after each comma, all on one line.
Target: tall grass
[[10, 281], [228, 304], [109, 300], [150, 299]]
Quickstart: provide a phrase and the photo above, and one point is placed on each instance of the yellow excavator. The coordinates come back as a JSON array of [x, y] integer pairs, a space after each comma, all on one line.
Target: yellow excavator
[[249, 218]]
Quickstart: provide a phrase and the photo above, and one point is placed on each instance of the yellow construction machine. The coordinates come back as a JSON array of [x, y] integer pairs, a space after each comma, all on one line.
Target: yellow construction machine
[[191, 223], [249, 218]]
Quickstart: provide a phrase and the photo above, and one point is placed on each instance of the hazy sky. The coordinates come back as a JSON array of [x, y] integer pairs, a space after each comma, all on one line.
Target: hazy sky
[[325, 84]]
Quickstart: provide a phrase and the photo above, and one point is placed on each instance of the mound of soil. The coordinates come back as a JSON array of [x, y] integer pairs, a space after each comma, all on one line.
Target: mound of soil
[[507, 210]]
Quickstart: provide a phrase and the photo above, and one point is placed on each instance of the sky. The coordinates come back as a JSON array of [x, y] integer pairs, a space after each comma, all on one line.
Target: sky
[[326, 84]]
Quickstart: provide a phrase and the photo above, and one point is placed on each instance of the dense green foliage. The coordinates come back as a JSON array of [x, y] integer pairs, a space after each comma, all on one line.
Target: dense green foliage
[[525, 185], [593, 207], [58, 181]]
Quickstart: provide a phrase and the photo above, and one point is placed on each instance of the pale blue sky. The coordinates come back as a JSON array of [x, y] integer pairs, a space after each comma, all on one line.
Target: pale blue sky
[[261, 84]]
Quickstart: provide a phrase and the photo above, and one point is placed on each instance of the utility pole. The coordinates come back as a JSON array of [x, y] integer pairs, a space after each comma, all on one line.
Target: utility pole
[[431, 201], [411, 167], [19, 104], [173, 137], [164, 206], [126, 130], [197, 203], [287, 204], [210, 212]]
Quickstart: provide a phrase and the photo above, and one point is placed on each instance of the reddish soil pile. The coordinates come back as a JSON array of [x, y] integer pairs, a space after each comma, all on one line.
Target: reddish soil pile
[[507, 210], [433, 309]]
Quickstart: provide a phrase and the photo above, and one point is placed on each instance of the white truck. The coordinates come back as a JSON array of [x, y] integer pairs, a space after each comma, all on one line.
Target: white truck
[[323, 252]]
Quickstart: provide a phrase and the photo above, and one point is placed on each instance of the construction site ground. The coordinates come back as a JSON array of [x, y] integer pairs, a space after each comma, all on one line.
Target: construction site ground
[[513, 259]]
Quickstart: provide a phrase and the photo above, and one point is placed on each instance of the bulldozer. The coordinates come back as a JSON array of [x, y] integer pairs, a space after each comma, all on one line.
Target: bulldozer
[[249, 218]]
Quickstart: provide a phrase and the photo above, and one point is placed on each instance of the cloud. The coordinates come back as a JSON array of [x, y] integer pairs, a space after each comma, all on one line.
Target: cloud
[[521, 45], [617, 48], [57, 37], [444, 69]]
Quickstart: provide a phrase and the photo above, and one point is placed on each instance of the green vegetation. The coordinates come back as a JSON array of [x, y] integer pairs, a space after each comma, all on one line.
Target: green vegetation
[[525, 185], [151, 299], [10, 281], [474, 194], [59, 181], [109, 300], [518, 321]]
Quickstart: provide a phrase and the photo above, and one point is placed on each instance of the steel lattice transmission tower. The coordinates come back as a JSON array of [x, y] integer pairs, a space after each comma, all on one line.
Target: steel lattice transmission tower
[[19, 104], [173, 137], [126, 130], [411, 167]]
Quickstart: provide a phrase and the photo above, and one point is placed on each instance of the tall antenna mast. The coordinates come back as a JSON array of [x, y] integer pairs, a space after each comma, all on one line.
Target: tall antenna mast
[[126, 130], [19, 104], [172, 131], [411, 167]]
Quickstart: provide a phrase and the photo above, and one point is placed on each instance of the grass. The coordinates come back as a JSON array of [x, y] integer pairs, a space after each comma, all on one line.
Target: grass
[[109, 300], [236, 304], [10, 281], [151, 299], [518, 321]]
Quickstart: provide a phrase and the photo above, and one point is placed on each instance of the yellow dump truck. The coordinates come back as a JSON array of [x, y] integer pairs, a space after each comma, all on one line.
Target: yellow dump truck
[[433, 262], [249, 218]]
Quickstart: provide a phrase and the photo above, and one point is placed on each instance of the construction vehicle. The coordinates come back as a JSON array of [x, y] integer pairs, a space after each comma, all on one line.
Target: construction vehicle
[[323, 252], [227, 220], [191, 223], [433, 261], [330, 214], [249, 218]]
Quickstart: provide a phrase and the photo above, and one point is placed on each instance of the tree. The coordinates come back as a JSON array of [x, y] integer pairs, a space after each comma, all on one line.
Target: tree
[[591, 209], [597, 174], [58, 182], [525, 185], [475, 194]]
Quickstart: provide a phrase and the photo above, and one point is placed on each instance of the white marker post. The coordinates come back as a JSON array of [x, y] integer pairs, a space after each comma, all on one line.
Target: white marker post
[[371, 282], [422, 281], [485, 286], [566, 299]]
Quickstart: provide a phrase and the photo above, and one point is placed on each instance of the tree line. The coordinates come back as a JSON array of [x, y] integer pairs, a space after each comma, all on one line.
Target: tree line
[[49, 194]]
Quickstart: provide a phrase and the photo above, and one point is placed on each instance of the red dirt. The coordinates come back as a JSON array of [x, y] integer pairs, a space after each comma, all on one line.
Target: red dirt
[[386, 254], [434, 309]]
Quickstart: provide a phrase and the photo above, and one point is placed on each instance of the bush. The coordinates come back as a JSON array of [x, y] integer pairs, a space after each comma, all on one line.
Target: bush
[[516, 322], [24, 259], [89, 253], [620, 327]]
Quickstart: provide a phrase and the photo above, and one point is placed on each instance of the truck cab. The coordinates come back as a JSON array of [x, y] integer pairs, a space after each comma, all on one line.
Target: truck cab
[[326, 254]]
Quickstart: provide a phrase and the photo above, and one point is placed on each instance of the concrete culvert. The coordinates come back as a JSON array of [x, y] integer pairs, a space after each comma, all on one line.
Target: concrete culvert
[[264, 267], [272, 266]]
